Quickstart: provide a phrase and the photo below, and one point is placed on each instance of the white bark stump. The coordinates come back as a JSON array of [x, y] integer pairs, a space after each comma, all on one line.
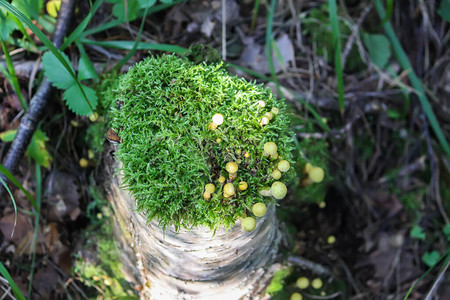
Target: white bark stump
[[194, 264]]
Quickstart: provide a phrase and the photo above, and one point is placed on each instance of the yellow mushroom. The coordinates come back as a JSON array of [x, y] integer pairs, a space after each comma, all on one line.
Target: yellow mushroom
[[276, 174], [302, 283], [231, 167], [315, 175], [210, 188], [212, 126], [270, 148], [259, 209], [218, 119], [317, 283], [242, 186], [296, 296], [264, 121], [84, 163], [248, 224], [284, 166], [278, 190], [269, 115], [229, 189]]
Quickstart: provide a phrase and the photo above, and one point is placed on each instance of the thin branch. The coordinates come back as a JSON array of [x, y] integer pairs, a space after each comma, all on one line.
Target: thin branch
[[310, 265]]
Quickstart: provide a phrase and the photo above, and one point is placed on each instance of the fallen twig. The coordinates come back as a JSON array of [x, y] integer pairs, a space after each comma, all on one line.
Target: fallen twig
[[307, 264]]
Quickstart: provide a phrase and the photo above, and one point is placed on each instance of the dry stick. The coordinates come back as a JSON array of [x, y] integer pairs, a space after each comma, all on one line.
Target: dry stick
[[39, 101], [310, 265], [355, 31], [438, 281]]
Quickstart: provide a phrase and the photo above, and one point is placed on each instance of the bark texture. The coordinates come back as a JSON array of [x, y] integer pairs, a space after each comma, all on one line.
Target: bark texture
[[196, 263]]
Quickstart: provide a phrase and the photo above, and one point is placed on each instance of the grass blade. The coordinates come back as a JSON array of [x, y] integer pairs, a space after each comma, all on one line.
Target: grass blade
[[16, 182], [127, 57], [12, 75], [128, 45], [17, 292], [404, 62], [269, 39], [37, 215], [255, 14], [13, 202], [41, 36], [82, 26], [337, 52]]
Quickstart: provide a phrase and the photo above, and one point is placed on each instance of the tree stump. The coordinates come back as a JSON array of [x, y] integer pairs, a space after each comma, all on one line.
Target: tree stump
[[193, 263]]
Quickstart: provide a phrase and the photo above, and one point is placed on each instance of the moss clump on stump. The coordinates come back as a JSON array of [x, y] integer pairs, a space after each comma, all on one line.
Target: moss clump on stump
[[164, 113]]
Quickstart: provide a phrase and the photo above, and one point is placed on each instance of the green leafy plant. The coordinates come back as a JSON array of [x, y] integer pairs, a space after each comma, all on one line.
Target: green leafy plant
[[444, 10], [163, 111], [36, 149], [417, 233], [379, 48], [431, 258]]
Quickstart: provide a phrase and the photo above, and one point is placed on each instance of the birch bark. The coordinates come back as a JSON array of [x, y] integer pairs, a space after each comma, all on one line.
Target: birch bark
[[193, 263]]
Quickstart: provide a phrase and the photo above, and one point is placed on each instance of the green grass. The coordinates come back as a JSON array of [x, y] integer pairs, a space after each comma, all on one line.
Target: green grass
[[337, 52], [404, 62], [17, 292], [12, 75], [37, 216]]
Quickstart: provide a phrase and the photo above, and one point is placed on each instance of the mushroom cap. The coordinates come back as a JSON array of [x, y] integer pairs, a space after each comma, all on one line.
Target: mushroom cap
[[275, 110], [229, 189], [307, 168], [316, 174], [206, 195], [284, 166], [279, 190], [265, 192], [269, 115], [276, 174], [274, 156], [212, 125], [248, 224], [210, 188], [84, 163], [218, 119], [264, 121], [331, 239], [243, 185], [231, 167], [302, 283], [259, 209], [261, 103], [296, 296], [222, 179], [270, 148], [317, 283]]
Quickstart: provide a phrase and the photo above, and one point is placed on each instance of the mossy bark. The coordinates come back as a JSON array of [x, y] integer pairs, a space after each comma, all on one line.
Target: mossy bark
[[196, 263]]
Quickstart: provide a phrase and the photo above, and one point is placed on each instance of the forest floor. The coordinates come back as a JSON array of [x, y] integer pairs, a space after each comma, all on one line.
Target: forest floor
[[386, 200]]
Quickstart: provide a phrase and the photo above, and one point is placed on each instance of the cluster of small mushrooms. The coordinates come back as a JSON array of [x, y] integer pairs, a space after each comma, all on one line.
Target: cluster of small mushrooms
[[278, 189]]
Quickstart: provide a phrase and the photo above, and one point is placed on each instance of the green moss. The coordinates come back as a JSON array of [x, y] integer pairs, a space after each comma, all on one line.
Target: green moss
[[98, 264], [277, 284], [161, 110]]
